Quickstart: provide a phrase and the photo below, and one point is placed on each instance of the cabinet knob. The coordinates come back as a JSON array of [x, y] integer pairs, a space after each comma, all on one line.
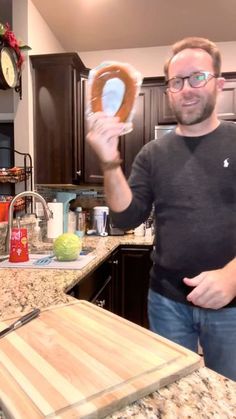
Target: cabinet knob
[[100, 303], [78, 172], [115, 262]]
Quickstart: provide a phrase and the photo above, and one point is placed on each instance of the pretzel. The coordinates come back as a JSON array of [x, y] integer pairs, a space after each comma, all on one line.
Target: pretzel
[[101, 77]]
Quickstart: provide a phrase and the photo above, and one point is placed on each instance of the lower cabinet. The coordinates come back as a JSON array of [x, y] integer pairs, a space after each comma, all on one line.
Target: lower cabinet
[[135, 264], [120, 284], [99, 287]]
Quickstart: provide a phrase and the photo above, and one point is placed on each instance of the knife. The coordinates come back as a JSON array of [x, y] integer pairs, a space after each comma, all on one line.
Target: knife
[[20, 322]]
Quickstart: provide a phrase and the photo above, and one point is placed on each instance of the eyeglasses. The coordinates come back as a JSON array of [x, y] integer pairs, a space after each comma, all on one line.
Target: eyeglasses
[[197, 79]]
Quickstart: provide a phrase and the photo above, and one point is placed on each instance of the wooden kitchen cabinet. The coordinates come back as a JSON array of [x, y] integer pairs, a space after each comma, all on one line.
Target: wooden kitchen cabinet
[[160, 111], [120, 284], [131, 143], [165, 114], [143, 126], [226, 102], [99, 287], [57, 130], [92, 173], [134, 267], [62, 155]]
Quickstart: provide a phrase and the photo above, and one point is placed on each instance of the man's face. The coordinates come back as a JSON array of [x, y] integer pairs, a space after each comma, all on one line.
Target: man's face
[[192, 105]]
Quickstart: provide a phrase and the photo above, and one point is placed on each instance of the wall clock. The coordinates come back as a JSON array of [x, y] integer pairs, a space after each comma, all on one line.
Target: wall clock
[[9, 74]]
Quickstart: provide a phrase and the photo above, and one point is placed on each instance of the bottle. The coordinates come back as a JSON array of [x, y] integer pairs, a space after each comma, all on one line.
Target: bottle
[[71, 222], [149, 227], [37, 234], [80, 222], [140, 230]]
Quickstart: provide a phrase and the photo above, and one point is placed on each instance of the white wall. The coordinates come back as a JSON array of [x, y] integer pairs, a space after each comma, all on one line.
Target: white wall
[[150, 61], [41, 38], [29, 25], [6, 102], [6, 96], [228, 51]]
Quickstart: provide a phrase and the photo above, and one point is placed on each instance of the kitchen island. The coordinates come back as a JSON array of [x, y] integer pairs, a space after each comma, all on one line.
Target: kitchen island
[[201, 394]]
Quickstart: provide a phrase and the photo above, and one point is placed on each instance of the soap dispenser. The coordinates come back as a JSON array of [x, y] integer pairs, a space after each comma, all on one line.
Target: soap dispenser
[[80, 222], [37, 234]]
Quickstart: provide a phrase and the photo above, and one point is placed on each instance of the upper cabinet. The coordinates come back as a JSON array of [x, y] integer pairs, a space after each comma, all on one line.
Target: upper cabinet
[[145, 118], [92, 173], [62, 155], [165, 114], [57, 129], [226, 102]]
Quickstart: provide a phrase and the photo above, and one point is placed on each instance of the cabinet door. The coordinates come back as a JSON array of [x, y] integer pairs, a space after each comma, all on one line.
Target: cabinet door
[[92, 170], [114, 262], [135, 264], [99, 287], [143, 127], [226, 102], [165, 114], [145, 118], [56, 116]]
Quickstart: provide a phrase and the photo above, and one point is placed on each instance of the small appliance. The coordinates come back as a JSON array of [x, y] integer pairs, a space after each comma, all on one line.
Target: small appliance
[[114, 231], [100, 218]]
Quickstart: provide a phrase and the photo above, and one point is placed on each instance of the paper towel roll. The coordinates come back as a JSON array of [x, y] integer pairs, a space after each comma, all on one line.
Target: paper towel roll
[[55, 224]]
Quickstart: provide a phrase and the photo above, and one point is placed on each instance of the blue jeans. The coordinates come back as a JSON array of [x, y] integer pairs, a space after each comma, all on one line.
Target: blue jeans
[[188, 325]]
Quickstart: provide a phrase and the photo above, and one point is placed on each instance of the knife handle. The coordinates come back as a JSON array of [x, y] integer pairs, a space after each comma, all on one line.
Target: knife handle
[[26, 318]]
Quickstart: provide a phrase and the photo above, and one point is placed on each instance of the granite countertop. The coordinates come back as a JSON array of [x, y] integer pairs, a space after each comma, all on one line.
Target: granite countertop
[[202, 394], [24, 289]]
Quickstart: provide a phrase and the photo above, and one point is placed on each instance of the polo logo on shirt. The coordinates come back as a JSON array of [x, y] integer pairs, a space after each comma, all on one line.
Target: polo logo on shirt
[[226, 162]]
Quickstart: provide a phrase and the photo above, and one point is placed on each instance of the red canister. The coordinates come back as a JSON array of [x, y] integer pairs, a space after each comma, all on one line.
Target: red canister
[[4, 206], [19, 245]]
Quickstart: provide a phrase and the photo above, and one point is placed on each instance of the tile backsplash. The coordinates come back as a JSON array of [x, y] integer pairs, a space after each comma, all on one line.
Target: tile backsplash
[[86, 197]]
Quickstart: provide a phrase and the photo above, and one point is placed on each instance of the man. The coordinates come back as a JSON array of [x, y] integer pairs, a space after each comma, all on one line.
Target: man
[[190, 177]]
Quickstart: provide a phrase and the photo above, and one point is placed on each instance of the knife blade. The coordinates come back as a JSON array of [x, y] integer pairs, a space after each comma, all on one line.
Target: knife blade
[[20, 322]]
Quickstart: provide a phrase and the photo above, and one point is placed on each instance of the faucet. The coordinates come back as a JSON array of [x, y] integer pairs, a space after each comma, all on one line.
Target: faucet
[[47, 212]]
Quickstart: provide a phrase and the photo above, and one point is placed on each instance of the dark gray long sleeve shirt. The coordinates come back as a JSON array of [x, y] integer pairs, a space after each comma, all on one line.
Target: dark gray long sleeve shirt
[[192, 183]]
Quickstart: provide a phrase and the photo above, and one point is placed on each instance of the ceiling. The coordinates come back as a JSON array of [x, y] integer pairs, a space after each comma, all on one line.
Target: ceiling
[[89, 25]]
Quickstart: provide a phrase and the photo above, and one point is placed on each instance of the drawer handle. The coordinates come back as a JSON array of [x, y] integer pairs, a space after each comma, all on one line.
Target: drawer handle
[[100, 303], [109, 278]]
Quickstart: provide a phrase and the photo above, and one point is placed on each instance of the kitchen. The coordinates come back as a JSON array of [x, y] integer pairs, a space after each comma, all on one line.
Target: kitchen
[[104, 242]]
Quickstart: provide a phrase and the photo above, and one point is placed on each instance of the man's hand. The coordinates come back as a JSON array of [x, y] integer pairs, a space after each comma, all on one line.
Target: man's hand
[[213, 289], [104, 138], [103, 135]]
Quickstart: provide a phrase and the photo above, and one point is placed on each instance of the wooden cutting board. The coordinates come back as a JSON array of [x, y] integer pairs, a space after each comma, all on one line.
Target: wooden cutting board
[[81, 361]]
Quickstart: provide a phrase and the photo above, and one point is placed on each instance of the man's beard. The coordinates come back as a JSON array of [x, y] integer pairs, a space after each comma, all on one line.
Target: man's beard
[[197, 116]]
